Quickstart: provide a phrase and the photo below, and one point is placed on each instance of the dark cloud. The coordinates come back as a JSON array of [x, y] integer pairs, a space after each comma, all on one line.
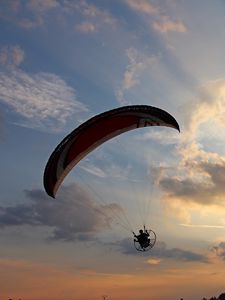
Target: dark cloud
[[210, 191], [186, 189], [72, 216], [161, 251], [219, 250]]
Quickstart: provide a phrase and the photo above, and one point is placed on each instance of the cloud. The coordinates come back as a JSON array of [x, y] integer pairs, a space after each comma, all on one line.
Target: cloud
[[40, 7], [161, 136], [219, 250], [11, 56], [42, 100], [29, 24], [203, 226], [36, 13], [18, 11], [160, 21], [143, 6], [94, 170], [90, 11], [14, 5], [93, 18], [160, 251], [1, 125], [109, 170], [202, 185], [153, 261], [167, 25], [86, 27], [138, 63], [197, 177], [208, 106], [73, 216]]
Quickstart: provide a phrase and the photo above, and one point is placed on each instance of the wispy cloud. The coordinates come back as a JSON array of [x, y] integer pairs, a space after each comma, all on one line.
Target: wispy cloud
[[43, 100], [1, 125], [37, 13], [143, 6], [65, 216], [203, 226], [40, 7], [156, 16], [94, 170], [29, 14], [165, 24], [90, 11], [162, 136], [14, 5], [11, 56], [86, 27], [107, 170], [138, 63], [94, 18]]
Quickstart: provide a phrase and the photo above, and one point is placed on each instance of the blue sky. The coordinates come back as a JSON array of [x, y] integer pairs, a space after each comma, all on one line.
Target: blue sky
[[62, 62]]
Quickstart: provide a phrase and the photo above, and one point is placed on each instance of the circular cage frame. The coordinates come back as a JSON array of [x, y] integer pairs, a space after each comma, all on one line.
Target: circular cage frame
[[152, 240]]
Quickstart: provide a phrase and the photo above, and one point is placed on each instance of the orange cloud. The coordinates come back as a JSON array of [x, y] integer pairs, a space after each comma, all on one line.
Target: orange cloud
[[153, 261]]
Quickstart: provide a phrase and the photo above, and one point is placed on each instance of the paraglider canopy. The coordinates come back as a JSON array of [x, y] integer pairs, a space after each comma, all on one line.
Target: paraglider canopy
[[96, 131]]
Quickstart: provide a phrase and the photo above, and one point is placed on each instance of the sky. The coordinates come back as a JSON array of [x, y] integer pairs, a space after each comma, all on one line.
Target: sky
[[61, 63]]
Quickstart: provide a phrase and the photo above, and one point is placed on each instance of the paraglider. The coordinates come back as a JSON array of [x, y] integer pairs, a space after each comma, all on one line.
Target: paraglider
[[94, 132]]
